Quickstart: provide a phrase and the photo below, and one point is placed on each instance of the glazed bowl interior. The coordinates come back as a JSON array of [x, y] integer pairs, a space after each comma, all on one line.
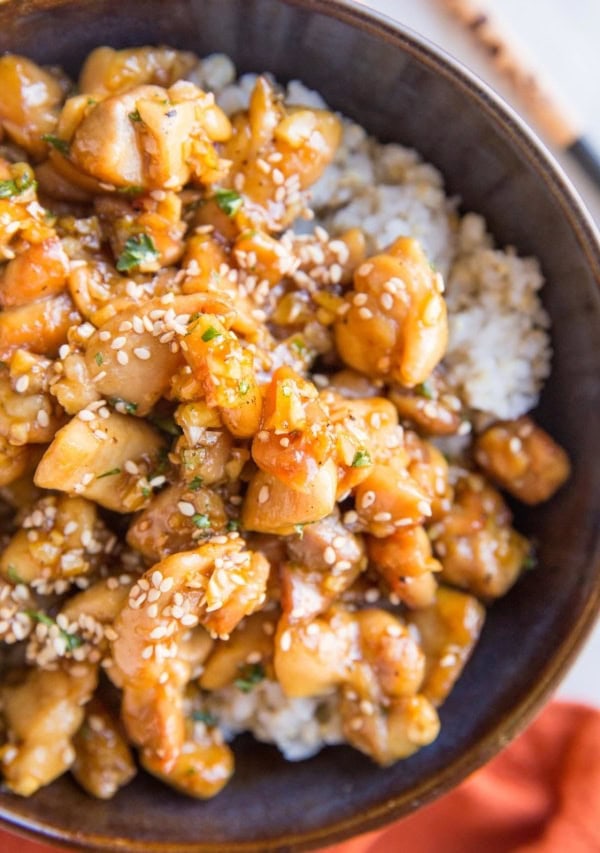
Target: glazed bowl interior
[[404, 90]]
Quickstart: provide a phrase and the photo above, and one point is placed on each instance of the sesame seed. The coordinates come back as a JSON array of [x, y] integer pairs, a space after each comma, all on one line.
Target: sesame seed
[[329, 555], [156, 578], [22, 384], [382, 516], [188, 509], [43, 418], [365, 313], [85, 415], [387, 301], [285, 642], [263, 495], [367, 499], [166, 585], [515, 444], [104, 335], [122, 358], [143, 353]]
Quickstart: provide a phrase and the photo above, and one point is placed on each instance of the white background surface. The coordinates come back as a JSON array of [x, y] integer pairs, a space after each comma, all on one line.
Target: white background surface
[[560, 37]]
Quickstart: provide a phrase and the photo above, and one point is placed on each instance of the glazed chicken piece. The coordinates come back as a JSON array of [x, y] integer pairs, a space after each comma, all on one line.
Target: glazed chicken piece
[[393, 325], [405, 562], [148, 137], [110, 72], [324, 561], [448, 632], [43, 711], [106, 457], [31, 98], [103, 761], [430, 406], [372, 658], [59, 540], [475, 543], [276, 153], [175, 520], [523, 459], [216, 585]]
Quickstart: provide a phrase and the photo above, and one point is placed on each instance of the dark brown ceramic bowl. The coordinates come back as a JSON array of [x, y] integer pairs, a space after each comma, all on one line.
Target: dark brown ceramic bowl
[[401, 89]]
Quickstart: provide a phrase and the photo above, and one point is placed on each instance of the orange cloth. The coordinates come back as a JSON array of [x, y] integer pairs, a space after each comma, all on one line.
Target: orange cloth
[[541, 795]]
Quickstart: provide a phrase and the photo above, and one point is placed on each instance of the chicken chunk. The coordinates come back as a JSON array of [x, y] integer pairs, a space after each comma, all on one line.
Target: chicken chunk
[[448, 631], [475, 543], [395, 325], [103, 761], [43, 712], [111, 72], [523, 459], [151, 137]]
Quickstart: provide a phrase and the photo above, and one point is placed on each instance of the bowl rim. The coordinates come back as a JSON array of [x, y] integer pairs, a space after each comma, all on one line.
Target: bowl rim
[[544, 164]]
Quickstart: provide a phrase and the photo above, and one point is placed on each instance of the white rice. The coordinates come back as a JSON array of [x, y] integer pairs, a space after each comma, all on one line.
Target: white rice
[[499, 348], [298, 727]]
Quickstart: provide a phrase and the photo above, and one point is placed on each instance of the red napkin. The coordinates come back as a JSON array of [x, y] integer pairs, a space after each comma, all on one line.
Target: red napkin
[[541, 795]]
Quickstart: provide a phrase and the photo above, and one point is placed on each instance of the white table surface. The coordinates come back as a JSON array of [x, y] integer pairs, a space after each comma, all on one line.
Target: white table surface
[[561, 39]]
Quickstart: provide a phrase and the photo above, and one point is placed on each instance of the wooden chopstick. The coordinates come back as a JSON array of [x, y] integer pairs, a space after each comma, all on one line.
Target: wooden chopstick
[[544, 108]]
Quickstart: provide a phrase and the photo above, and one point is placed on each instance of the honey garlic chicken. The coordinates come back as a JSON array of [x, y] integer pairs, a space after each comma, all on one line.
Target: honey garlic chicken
[[246, 466]]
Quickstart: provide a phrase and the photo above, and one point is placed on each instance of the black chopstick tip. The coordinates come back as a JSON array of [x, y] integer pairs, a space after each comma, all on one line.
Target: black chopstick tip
[[587, 156]]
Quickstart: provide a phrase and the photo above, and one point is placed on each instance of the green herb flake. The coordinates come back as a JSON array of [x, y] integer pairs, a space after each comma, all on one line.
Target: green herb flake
[[91, 102], [229, 201], [16, 186], [529, 563], [298, 345], [133, 189], [243, 386], [72, 641], [232, 524], [204, 717], [139, 249], [135, 116], [166, 423], [110, 473], [210, 334], [13, 575], [123, 406], [146, 491], [99, 359], [201, 521], [299, 528], [362, 459], [195, 484], [61, 145], [250, 675], [425, 389]]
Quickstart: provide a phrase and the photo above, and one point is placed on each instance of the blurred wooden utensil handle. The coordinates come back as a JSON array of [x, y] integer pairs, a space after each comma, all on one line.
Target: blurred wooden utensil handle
[[552, 117]]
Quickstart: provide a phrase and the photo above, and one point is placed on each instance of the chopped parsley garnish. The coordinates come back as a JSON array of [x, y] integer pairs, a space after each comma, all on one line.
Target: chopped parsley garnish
[[243, 386], [91, 102], [250, 675], [201, 520], [56, 142], [17, 185], [298, 345], [229, 201], [362, 459], [146, 491], [529, 563], [299, 528], [165, 423], [210, 334], [72, 641], [425, 389], [13, 575], [139, 249], [232, 524], [131, 190], [123, 406], [135, 115], [204, 717], [195, 483], [110, 473], [99, 358]]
